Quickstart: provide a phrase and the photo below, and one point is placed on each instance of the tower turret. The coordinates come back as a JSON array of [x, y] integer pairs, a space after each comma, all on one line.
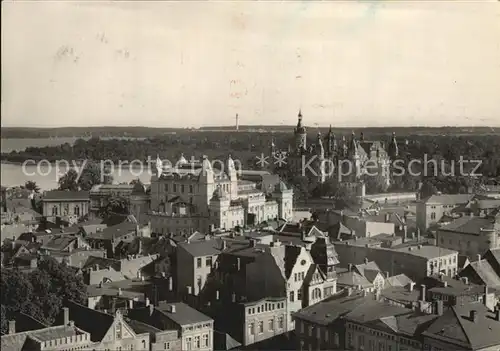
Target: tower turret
[[393, 149], [331, 143], [300, 134]]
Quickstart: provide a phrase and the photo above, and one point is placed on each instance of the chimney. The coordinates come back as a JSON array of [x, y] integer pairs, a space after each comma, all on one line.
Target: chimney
[[497, 315], [146, 302], [478, 258], [170, 284], [120, 291], [365, 293], [422, 292], [189, 290], [439, 307], [445, 284], [465, 280], [387, 275], [12, 327], [216, 294], [238, 263], [233, 297], [253, 242], [151, 309], [366, 260], [224, 245], [66, 315], [473, 316], [387, 217], [349, 267], [349, 291], [172, 308], [377, 295], [412, 285], [130, 304]]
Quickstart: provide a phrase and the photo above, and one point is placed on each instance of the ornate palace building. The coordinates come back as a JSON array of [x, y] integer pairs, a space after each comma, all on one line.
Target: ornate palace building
[[324, 157], [193, 196]]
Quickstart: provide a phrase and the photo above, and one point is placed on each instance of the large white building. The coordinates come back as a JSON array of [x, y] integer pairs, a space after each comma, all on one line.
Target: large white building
[[195, 195]]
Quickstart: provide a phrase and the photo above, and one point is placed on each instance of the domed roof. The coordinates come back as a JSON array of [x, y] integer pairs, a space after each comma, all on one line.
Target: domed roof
[[138, 188], [281, 186], [182, 160], [219, 194]]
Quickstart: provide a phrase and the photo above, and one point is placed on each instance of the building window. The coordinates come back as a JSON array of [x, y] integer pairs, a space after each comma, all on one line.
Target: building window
[[166, 346], [119, 331], [199, 282], [188, 343], [299, 295], [271, 325], [182, 188], [280, 322], [433, 215], [316, 294], [77, 210], [197, 342], [261, 327], [349, 339], [143, 344], [198, 262], [205, 340], [166, 187], [54, 211], [336, 339], [175, 188], [208, 261], [251, 329], [292, 296]]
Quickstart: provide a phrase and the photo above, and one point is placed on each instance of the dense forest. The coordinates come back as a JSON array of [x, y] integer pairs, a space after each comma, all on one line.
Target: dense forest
[[447, 149], [148, 132]]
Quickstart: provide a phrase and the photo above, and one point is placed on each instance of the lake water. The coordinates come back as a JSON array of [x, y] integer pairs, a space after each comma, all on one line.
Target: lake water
[[46, 175]]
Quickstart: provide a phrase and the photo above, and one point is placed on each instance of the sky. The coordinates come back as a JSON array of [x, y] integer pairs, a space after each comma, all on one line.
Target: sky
[[191, 64]]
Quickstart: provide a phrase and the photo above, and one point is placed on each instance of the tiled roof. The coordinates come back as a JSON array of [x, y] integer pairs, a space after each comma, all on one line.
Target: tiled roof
[[353, 279], [61, 195], [92, 321], [400, 280], [115, 231], [486, 272], [401, 294], [203, 247], [327, 311], [470, 225], [103, 263], [160, 316], [456, 327], [59, 242], [426, 251]]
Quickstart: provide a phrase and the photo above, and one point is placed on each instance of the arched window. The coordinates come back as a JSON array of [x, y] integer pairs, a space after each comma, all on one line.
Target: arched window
[[77, 210], [144, 344], [54, 211], [316, 294]]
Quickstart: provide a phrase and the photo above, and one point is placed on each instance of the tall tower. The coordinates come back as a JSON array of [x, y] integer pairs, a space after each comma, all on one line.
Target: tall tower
[[300, 134], [237, 123]]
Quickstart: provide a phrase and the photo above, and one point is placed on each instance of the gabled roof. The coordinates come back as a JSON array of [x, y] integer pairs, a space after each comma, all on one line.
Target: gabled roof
[[400, 280], [60, 242], [224, 341], [92, 321], [201, 248], [457, 328], [486, 273]]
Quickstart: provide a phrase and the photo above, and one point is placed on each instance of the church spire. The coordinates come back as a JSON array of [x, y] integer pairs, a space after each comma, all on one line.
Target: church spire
[[393, 149]]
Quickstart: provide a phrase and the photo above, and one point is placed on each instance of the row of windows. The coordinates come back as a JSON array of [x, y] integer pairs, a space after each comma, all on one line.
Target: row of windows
[[270, 326], [266, 307], [208, 262], [182, 188], [197, 342], [76, 210]]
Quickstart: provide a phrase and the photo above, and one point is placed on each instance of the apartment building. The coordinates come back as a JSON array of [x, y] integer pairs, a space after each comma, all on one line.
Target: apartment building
[[68, 204], [432, 209], [193, 329], [414, 260], [470, 235]]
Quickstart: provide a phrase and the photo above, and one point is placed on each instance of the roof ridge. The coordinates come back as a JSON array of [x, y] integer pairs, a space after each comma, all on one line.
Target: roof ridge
[[455, 313]]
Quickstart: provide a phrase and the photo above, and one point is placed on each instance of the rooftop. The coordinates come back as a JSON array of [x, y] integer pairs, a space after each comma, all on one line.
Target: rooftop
[[62, 195], [470, 225], [448, 199], [426, 251]]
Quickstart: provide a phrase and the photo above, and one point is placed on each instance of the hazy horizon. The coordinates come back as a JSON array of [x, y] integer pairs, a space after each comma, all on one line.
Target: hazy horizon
[[193, 64]]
